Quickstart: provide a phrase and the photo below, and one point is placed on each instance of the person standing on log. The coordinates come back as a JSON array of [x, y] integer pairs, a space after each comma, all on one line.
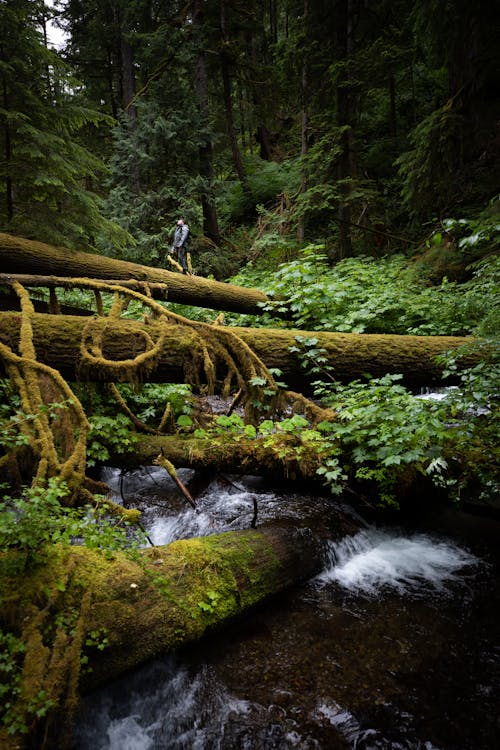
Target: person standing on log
[[181, 244]]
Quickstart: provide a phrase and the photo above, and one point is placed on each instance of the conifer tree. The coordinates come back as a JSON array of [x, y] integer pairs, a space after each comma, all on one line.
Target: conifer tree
[[46, 174]]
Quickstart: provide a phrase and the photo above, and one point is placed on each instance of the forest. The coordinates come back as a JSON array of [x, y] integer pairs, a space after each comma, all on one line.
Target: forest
[[337, 163]]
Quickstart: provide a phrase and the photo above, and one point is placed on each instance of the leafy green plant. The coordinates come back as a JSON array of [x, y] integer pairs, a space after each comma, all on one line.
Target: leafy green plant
[[109, 434], [388, 295], [209, 604], [95, 639], [11, 655], [34, 520], [148, 400], [15, 423], [29, 524]]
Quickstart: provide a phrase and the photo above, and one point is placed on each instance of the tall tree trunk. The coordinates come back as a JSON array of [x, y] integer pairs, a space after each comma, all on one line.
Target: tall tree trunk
[[128, 88], [344, 42], [258, 57], [109, 79], [128, 78], [210, 222], [225, 63], [9, 201], [304, 118]]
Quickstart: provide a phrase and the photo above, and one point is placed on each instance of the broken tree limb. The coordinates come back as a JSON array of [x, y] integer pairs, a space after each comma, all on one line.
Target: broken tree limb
[[160, 460], [57, 340], [22, 256], [53, 282]]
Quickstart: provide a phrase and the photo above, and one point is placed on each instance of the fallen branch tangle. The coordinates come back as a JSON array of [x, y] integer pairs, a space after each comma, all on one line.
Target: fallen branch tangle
[[219, 356]]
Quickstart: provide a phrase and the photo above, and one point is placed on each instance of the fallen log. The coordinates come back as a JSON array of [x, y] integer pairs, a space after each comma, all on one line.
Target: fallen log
[[57, 342], [113, 613], [22, 256], [242, 456], [206, 582]]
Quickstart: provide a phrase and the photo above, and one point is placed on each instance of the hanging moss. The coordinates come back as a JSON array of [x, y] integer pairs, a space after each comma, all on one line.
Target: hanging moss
[[218, 353]]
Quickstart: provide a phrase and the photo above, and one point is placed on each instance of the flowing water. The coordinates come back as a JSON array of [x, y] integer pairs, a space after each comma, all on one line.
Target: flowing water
[[393, 646]]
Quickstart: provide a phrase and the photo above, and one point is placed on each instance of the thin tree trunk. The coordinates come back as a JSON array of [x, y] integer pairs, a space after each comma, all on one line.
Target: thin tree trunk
[[344, 42], [394, 117], [128, 78], [9, 202], [304, 120]]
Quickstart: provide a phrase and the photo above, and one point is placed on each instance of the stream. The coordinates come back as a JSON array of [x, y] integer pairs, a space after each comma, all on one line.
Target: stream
[[393, 646]]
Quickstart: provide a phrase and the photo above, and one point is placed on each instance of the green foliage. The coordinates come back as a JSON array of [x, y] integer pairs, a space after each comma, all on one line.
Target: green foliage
[[473, 409], [385, 429], [427, 170], [15, 423], [149, 400], [267, 180], [149, 185], [47, 172], [383, 434], [95, 640], [11, 655], [32, 522], [388, 295], [210, 605], [109, 435]]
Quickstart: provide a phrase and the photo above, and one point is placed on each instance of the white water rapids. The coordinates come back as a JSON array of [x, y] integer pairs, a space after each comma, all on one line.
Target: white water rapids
[[376, 559]]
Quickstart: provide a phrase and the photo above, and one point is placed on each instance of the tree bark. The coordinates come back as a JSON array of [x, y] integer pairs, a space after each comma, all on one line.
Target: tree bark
[[344, 41], [18, 255], [242, 456], [57, 341]]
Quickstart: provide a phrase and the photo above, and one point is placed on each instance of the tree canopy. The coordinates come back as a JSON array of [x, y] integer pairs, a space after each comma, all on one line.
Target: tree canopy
[[374, 121]]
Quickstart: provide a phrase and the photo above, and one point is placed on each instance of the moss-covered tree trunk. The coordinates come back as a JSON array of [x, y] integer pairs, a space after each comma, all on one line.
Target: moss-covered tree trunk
[[57, 341], [225, 454], [201, 584], [108, 614], [18, 255]]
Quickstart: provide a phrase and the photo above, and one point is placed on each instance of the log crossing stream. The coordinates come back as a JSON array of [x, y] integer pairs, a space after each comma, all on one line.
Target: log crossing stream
[[393, 646]]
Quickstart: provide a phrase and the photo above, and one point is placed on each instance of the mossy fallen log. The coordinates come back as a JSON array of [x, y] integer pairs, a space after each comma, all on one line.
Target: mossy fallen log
[[85, 618], [186, 589], [224, 454], [57, 341], [22, 256]]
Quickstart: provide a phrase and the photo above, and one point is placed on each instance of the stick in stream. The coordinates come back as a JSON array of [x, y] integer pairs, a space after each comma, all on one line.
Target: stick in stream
[[253, 524], [170, 469]]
